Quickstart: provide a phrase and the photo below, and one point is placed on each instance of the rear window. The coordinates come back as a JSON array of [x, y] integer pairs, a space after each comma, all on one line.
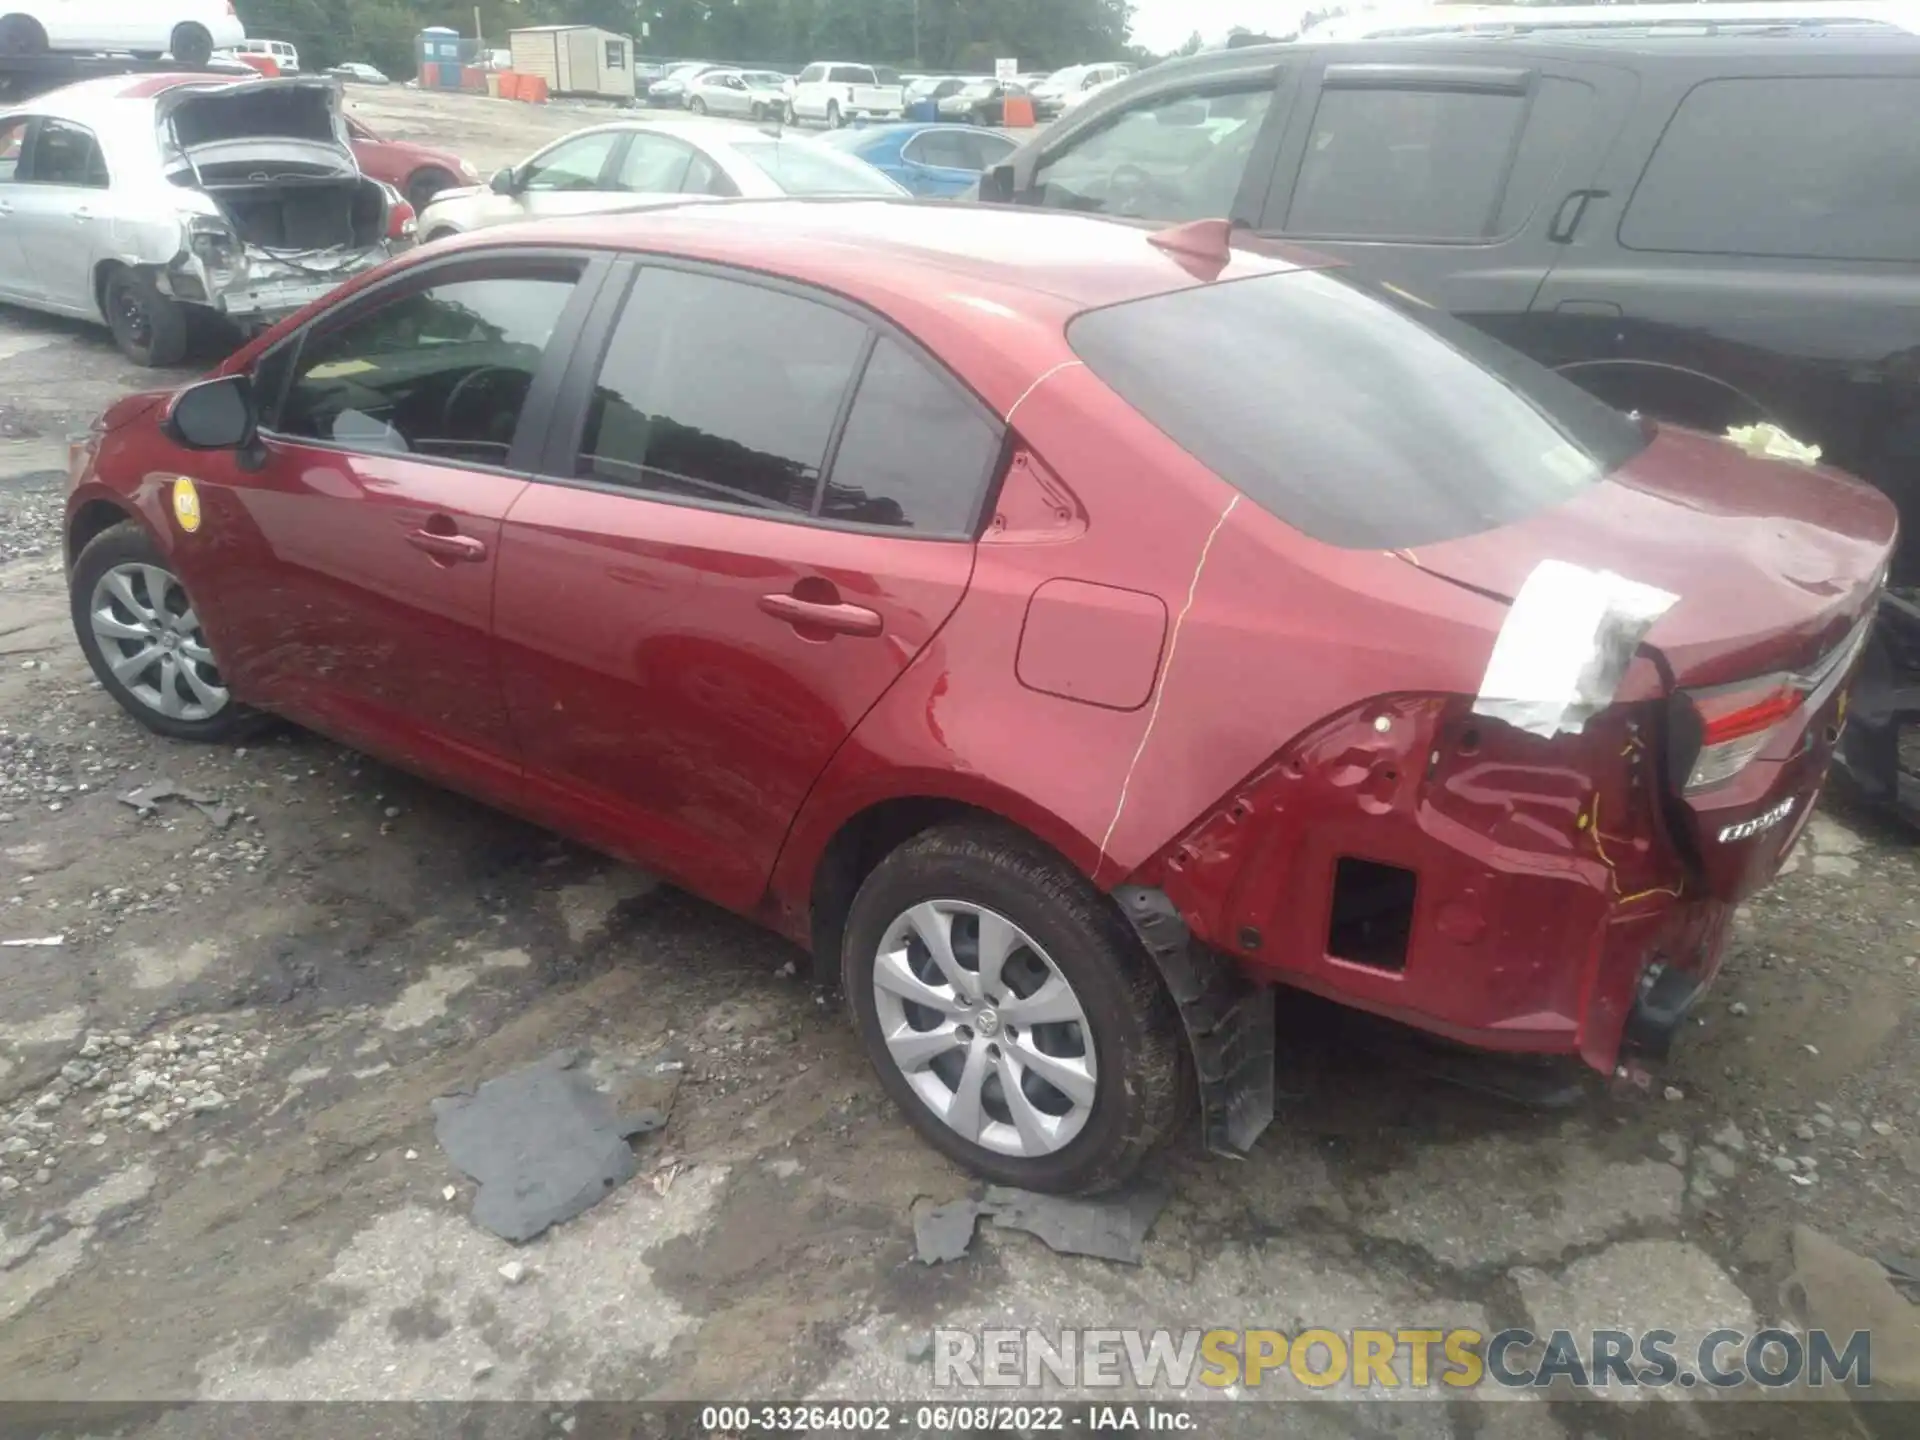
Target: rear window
[[1359, 416], [1815, 168], [806, 169]]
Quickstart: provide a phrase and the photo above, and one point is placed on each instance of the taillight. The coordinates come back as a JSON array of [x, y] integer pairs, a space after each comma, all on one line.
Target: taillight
[[1737, 721]]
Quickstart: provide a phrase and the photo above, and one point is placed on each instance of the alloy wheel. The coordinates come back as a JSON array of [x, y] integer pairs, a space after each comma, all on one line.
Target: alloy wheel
[[151, 640], [985, 1028]]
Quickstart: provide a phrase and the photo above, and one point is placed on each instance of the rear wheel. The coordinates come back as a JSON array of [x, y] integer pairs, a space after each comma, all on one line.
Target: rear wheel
[[22, 35], [140, 633], [833, 114], [423, 185], [697, 105], [793, 115], [150, 328], [1011, 1013]]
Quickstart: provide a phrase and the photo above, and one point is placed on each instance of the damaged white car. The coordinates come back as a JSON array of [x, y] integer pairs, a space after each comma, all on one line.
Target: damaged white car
[[140, 201]]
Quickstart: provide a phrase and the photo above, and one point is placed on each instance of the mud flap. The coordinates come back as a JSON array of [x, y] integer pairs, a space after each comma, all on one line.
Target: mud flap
[[1885, 711], [1228, 1019]]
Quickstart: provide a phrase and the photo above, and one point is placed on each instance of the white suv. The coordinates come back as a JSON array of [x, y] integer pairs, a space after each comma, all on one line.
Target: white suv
[[835, 92], [286, 56]]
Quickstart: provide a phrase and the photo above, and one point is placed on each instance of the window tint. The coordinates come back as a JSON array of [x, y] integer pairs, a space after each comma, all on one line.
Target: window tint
[[65, 154], [1174, 157], [13, 135], [989, 150], [720, 391], [1425, 164], [813, 74], [799, 167], [916, 453], [1560, 114], [654, 165], [440, 373], [572, 164], [884, 76], [852, 75], [1359, 417], [1821, 168]]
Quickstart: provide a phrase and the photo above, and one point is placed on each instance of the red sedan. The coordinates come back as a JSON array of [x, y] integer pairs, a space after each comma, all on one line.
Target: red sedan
[[416, 171], [1068, 633]]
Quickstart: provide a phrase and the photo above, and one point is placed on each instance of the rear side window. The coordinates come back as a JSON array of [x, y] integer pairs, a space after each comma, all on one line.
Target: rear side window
[[1360, 418], [1820, 168], [1171, 157], [1406, 164], [13, 134], [66, 154], [916, 454], [722, 392]]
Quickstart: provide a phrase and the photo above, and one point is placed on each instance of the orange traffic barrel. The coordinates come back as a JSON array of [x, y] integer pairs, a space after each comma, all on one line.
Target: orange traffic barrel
[[1018, 112]]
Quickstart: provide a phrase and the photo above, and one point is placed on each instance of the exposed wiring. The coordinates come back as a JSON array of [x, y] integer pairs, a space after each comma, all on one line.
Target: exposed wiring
[[1591, 822], [1166, 674]]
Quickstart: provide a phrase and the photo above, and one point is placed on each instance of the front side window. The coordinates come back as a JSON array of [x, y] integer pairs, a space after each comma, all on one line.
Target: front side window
[[440, 373], [65, 154], [1820, 168], [943, 149], [576, 164], [1172, 157], [1358, 416], [722, 392], [1406, 164]]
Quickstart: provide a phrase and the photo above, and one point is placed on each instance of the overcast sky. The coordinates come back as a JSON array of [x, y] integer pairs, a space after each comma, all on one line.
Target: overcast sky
[[1162, 25]]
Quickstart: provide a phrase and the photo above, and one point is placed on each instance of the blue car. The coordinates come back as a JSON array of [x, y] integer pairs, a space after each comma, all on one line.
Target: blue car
[[934, 160]]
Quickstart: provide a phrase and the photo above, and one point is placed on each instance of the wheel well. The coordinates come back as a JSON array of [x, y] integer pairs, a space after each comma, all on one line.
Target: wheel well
[[856, 848], [102, 273], [93, 518]]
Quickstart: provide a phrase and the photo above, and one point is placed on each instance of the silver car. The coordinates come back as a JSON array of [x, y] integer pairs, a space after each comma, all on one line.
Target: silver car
[[614, 166], [136, 200], [749, 94]]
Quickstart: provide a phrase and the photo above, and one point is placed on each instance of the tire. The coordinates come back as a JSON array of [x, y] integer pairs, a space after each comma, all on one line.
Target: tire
[[192, 44], [443, 233], [697, 105], [127, 545], [833, 114], [150, 328], [1128, 1033], [22, 35], [793, 115], [423, 185], [759, 112]]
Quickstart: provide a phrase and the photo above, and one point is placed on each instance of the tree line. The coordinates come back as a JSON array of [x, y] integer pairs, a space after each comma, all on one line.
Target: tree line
[[933, 35]]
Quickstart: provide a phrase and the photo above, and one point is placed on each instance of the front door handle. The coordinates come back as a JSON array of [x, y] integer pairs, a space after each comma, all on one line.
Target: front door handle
[[80, 217], [822, 615], [447, 547]]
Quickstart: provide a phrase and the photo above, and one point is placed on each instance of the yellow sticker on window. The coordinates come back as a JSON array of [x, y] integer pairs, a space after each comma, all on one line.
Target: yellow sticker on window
[[340, 369], [186, 504]]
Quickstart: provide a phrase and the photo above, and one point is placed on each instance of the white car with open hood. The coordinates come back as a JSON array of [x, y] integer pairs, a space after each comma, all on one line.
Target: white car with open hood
[[135, 200], [189, 30]]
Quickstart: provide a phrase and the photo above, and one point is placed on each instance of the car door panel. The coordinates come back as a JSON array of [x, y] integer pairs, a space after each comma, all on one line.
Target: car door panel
[[667, 706], [680, 667], [1445, 172], [360, 550], [13, 255], [60, 214]]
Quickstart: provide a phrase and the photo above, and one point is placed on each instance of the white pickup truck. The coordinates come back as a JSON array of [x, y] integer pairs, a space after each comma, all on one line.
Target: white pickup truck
[[835, 92]]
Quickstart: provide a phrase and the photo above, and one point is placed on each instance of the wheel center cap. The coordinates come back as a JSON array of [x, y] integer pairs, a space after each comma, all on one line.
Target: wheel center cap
[[169, 641], [986, 1023]]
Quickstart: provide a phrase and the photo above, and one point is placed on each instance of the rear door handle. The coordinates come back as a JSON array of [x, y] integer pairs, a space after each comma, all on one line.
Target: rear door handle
[[447, 547], [820, 615], [1566, 220]]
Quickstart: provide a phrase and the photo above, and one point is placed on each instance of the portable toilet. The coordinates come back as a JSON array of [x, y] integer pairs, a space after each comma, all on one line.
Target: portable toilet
[[437, 48]]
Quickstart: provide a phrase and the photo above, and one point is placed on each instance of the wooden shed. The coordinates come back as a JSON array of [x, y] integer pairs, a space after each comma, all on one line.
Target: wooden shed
[[575, 59]]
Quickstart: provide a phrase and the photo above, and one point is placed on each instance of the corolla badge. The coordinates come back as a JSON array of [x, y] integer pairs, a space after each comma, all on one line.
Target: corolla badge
[[1747, 829]]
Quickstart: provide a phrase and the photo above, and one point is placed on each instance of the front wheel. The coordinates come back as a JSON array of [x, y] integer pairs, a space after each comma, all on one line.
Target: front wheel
[[793, 115], [192, 44], [22, 35], [141, 634], [697, 105], [1011, 1013], [424, 185]]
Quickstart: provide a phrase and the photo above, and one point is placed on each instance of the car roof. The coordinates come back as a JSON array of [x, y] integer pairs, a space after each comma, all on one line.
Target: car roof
[[1060, 262]]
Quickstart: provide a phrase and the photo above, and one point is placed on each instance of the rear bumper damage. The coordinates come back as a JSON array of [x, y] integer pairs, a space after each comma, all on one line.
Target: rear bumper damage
[[263, 287], [1880, 749]]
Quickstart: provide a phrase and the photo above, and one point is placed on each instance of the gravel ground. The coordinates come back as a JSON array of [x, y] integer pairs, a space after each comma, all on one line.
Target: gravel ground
[[218, 1177]]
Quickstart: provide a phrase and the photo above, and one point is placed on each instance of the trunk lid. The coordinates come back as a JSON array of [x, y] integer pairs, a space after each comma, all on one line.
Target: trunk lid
[[1773, 562], [1777, 568], [293, 119]]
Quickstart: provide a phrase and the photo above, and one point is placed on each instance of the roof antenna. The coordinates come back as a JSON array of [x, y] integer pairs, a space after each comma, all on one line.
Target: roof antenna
[[1206, 240]]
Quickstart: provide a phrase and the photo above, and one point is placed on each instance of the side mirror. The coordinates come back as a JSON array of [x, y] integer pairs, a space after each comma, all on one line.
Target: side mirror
[[504, 182], [216, 414], [996, 186]]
